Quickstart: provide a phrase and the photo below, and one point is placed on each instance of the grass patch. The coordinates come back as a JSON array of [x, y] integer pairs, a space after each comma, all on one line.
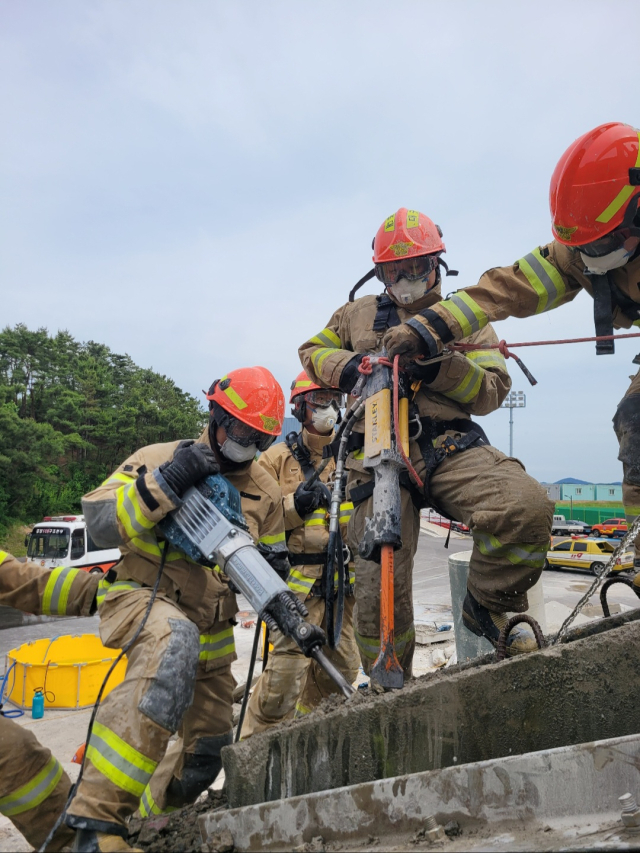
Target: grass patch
[[13, 539], [592, 505]]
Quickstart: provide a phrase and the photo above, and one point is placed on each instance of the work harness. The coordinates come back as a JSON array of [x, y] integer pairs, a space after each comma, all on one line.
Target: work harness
[[320, 589], [472, 435]]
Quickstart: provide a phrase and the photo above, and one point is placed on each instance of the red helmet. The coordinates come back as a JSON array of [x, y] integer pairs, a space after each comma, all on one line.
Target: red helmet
[[596, 181], [406, 234], [301, 384], [303, 390], [252, 395]]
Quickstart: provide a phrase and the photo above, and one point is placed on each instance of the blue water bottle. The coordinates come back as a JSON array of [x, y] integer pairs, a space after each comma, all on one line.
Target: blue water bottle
[[37, 706]]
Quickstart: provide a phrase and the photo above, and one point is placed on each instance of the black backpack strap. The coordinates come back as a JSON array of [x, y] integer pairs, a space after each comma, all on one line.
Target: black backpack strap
[[602, 311], [300, 453], [354, 442], [386, 315]]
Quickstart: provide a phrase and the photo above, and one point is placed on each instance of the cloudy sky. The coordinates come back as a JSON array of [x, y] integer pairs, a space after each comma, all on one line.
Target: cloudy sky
[[197, 183]]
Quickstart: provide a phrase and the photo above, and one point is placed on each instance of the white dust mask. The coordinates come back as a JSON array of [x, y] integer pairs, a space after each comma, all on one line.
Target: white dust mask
[[324, 419], [405, 291], [611, 261], [235, 452]]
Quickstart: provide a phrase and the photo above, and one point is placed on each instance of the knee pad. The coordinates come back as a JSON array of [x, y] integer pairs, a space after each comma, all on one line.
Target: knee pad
[[199, 770], [171, 690]]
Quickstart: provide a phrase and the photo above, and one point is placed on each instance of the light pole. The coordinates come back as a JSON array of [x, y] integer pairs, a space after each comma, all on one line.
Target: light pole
[[513, 400]]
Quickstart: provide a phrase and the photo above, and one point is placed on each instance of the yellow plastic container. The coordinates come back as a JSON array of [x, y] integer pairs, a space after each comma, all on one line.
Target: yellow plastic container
[[70, 670]]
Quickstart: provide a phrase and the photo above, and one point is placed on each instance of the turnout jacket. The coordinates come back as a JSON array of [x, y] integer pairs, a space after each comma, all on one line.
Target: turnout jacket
[[308, 535], [474, 382], [124, 510], [58, 592], [546, 278]]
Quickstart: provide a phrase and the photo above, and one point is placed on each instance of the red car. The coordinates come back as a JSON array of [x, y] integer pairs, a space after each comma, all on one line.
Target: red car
[[615, 527]]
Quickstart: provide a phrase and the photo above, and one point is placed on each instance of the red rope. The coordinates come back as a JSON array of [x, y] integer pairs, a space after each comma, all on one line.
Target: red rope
[[396, 417], [503, 346]]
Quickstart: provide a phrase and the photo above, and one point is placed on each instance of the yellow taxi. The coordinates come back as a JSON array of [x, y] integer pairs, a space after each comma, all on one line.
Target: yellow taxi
[[589, 555]]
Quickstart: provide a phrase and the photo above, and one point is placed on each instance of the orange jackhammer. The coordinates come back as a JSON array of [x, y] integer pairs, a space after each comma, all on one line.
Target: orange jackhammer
[[386, 448]]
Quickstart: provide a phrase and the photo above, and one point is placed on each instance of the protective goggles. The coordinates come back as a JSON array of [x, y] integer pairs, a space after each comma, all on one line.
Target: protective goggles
[[245, 435], [607, 244], [412, 269], [324, 398]]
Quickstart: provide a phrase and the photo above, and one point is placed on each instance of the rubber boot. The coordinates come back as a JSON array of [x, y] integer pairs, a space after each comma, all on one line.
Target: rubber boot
[[90, 841], [486, 623]]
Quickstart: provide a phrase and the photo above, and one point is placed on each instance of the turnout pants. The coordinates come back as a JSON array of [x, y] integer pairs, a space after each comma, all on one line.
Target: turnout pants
[[293, 684], [175, 679], [510, 518], [626, 423], [33, 786]]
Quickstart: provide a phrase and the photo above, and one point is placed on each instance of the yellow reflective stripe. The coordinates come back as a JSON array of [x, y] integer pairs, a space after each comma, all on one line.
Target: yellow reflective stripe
[[346, 510], [235, 398], [148, 805], [327, 338], [272, 539], [119, 478], [118, 761], [358, 454], [130, 513], [487, 358], [474, 314], [56, 591], [301, 709], [518, 554], [3, 556], [544, 278], [317, 518], [104, 588], [214, 646], [611, 209], [302, 383], [34, 792], [370, 646], [318, 357], [469, 387], [297, 582]]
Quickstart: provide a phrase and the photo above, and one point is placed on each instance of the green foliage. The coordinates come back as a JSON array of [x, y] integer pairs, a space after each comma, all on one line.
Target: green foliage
[[70, 413]]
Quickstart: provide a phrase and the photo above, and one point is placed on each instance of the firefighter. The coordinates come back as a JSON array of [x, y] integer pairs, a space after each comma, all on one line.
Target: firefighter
[[292, 683], [594, 197], [466, 478], [179, 669], [33, 786]]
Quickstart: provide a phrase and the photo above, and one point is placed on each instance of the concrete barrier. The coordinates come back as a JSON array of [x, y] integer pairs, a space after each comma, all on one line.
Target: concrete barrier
[[572, 693]]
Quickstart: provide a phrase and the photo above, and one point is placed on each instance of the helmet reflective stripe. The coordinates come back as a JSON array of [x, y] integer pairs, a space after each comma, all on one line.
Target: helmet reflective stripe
[[233, 395], [625, 193]]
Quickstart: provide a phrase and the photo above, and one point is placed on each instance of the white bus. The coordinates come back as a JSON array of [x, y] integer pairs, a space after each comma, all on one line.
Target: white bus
[[63, 540]]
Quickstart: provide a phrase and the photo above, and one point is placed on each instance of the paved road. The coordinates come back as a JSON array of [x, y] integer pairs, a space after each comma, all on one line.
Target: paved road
[[431, 579]]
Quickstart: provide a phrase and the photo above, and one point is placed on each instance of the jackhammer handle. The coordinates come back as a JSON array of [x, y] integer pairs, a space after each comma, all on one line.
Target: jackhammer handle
[[333, 672]]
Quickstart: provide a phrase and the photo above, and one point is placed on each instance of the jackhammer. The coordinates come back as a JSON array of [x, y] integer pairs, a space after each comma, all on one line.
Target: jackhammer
[[210, 528], [386, 446]]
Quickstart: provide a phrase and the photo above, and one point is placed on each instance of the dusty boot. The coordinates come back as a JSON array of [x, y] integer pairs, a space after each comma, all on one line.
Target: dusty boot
[[90, 841], [486, 623]]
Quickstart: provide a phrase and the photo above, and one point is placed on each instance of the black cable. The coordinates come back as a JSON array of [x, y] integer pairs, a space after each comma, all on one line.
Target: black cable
[[123, 652], [247, 689]]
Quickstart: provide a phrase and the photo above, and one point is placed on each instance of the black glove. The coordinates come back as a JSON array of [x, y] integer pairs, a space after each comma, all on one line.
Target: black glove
[[191, 463], [278, 560], [350, 374], [307, 498]]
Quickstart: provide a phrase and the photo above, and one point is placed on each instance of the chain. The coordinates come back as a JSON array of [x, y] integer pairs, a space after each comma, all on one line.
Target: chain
[[630, 535]]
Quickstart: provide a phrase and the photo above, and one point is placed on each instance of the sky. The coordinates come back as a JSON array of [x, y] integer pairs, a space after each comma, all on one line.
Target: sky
[[198, 183]]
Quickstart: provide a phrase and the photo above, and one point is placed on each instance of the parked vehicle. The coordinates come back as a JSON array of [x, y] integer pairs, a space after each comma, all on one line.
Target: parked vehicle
[[615, 527], [435, 518], [63, 540], [590, 555], [570, 527]]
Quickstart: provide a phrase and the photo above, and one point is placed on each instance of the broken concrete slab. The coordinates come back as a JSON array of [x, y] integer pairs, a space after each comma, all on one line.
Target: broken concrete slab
[[529, 792], [575, 692]]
